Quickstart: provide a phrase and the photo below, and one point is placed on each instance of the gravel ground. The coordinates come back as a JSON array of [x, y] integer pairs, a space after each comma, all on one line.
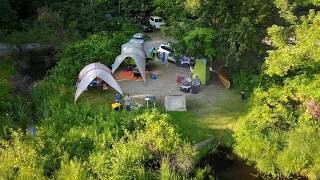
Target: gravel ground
[[208, 98], [165, 84]]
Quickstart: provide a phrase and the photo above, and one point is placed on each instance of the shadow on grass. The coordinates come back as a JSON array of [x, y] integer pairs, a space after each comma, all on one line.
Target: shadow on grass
[[205, 120], [194, 130], [214, 117], [98, 97]]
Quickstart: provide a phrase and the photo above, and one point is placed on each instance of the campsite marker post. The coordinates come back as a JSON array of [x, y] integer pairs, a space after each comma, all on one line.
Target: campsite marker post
[[147, 100]]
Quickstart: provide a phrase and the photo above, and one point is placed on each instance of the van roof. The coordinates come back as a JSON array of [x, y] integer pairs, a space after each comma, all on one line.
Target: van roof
[[156, 17]]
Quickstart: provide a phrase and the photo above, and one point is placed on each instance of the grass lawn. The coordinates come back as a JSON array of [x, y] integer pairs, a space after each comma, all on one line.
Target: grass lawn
[[216, 121], [97, 97], [7, 70]]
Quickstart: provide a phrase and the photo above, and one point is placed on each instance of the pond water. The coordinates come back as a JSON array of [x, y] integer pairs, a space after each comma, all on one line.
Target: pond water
[[37, 70], [35, 63], [228, 166]]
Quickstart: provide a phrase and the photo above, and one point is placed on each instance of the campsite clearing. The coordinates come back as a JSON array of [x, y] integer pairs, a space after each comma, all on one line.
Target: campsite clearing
[[212, 113]]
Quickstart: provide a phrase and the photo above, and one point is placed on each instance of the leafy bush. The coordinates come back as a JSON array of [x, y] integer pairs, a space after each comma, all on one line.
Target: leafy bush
[[279, 134], [101, 47], [142, 150], [82, 140], [246, 81], [72, 169], [19, 158]]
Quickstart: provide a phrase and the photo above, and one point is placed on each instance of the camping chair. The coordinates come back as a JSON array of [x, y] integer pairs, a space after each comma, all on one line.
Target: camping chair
[[136, 106], [151, 99]]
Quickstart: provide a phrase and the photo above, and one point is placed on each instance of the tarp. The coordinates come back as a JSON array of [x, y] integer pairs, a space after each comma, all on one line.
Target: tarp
[[91, 72], [175, 103], [134, 51]]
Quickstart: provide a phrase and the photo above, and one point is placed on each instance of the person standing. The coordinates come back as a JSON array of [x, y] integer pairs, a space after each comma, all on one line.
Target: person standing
[[127, 102], [118, 97], [242, 95], [164, 57]]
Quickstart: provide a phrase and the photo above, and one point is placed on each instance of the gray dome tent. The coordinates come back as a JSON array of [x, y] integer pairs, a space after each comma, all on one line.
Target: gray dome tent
[[134, 51], [92, 71]]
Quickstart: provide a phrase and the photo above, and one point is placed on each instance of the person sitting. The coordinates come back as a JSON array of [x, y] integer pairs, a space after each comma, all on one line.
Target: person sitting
[[105, 86], [116, 106], [136, 72], [195, 85], [196, 82]]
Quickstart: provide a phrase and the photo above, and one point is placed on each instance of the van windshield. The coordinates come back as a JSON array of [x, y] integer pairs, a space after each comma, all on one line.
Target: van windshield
[[167, 48], [158, 20]]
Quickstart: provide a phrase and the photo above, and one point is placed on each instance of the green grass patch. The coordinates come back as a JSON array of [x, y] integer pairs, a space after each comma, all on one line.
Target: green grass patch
[[202, 122], [216, 121], [98, 97], [7, 70]]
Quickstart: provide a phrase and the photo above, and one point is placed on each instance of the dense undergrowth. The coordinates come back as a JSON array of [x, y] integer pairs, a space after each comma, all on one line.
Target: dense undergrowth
[[85, 140], [281, 131]]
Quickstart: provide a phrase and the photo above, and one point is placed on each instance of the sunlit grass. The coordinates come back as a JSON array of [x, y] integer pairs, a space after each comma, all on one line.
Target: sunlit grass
[[201, 122], [216, 121]]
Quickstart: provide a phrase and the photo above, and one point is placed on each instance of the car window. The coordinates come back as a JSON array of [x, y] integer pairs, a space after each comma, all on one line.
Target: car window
[[158, 20], [151, 19]]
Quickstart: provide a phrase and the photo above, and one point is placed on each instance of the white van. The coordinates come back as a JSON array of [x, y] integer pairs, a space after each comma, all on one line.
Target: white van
[[168, 50], [156, 22]]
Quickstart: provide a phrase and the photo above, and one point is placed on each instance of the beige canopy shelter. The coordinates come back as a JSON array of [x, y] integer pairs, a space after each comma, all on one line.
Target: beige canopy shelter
[[134, 51], [91, 72]]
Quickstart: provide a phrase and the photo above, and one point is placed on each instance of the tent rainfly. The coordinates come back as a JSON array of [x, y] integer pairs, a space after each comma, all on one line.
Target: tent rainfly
[[134, 51], [92, 71]]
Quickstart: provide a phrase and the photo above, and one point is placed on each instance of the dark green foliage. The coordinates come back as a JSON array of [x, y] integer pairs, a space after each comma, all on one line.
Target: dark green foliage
[[246, 81], [7, 119], [134, 8], [238, 28], [102, 47], [199, 42], [8, 19], [6, 71]]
